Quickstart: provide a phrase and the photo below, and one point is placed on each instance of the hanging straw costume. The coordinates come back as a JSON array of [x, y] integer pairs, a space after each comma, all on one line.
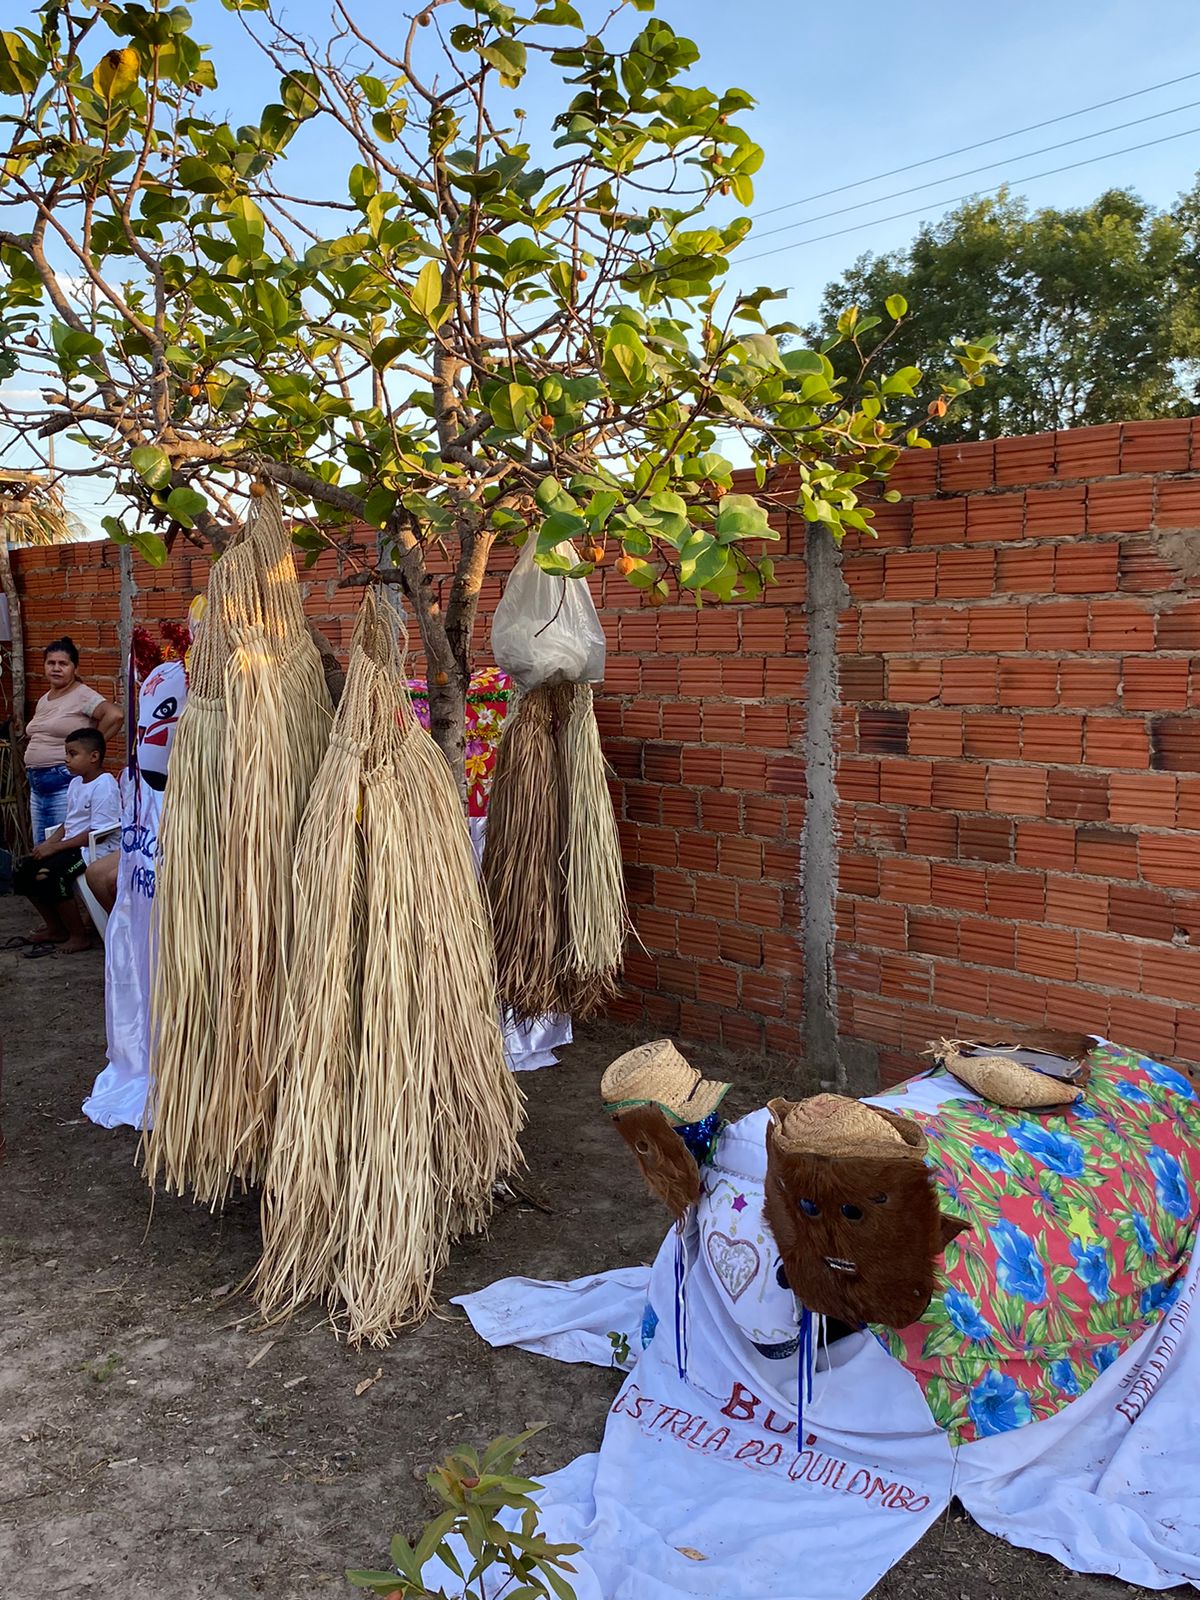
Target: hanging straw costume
[[247, 750], [552, 857], [397, 1112]]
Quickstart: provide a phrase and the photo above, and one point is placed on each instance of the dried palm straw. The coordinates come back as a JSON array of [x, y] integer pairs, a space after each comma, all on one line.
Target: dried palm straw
[[189, 920], [523, 855], [276, 721], [304, 1211], [396, 1119], [302, 693], [552, 858], [597, 919]]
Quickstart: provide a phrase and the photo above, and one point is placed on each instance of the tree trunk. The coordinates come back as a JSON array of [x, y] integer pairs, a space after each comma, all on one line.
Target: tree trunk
[[8, 584], [448, 719]]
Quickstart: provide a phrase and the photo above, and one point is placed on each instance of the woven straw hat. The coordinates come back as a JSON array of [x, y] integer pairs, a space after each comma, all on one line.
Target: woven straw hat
[[832, 1125], [1006, 1082], [656, 1074]]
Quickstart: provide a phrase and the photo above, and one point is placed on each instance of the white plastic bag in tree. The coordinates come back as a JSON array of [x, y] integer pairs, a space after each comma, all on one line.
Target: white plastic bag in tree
[[546, 629]]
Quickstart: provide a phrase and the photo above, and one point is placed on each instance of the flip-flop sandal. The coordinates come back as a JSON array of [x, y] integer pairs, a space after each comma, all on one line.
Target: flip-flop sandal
[[37, 951], [16, 942]]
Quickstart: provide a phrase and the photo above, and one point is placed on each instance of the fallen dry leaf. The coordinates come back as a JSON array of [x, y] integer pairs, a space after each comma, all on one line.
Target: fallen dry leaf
[[368, 1383], [692, 1555], [259, 1354]]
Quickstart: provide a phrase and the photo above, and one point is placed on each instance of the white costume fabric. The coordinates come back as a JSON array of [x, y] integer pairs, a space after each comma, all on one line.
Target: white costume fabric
[[702, 1488], [118, 1097]]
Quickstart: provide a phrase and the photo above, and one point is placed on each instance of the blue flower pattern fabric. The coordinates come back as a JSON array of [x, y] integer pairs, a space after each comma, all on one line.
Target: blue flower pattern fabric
[[1170, 1184], [1091, 1264], [997, 1405], [1082, 1223], [1018, 1267]]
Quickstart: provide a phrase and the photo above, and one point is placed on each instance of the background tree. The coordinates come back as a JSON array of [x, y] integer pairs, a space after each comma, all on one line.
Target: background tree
[[1094, 309], [481, 334]]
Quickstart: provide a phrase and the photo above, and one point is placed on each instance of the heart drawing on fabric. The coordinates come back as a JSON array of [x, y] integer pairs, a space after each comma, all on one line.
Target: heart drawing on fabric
[[735, 1262]]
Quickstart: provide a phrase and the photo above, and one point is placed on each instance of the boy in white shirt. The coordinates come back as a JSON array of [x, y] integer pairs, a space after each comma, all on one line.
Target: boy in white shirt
[[47, 877]]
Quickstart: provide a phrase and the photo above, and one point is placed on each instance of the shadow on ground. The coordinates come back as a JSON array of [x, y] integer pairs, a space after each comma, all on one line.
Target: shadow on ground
[[152, 1447]]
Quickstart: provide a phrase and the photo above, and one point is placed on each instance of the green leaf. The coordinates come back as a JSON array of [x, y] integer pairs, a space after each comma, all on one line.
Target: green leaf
[[185, 505], [301, 93], [896, 306], [426, 293], [741, 517], [151, 549], [508, 57], [379, 505], [20, 70], [246, 227], [558, 14], [386, 351], [116, 74], [380, 1582], [624, 355], [558, 527], [152, 465], [201, 177]]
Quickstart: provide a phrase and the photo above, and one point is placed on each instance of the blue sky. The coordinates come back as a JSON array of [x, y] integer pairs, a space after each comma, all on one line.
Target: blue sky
[[845, 92]]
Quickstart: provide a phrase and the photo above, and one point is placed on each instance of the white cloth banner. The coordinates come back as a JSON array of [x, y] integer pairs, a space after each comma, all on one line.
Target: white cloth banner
[[711, 1461], [1110, 1483], [693, 1497]]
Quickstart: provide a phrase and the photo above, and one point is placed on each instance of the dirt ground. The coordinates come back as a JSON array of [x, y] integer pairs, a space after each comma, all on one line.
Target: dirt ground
[[152, 1448]]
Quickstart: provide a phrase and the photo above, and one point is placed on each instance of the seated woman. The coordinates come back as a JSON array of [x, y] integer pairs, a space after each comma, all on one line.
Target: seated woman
[[68, 703]]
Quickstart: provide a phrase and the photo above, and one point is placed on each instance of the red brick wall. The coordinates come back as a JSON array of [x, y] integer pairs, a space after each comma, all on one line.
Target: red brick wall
[[1020, 768], [1019, 774]]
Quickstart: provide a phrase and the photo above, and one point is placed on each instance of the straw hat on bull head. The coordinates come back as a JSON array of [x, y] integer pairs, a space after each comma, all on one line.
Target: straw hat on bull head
[[655, 1074]]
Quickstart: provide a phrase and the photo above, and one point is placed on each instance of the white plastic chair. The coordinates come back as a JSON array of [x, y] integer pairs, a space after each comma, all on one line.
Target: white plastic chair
[[97, 913]]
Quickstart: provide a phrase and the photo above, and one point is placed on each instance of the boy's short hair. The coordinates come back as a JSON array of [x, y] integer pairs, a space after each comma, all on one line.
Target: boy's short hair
[[89, 739]]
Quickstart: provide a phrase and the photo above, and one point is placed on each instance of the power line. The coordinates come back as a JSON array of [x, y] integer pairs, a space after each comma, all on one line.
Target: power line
[[913, 211], [953, 177], [980, 144]]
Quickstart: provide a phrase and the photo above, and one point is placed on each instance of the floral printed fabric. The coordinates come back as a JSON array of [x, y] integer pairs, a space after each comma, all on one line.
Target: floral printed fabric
[[487, 704], [1082, 1226]]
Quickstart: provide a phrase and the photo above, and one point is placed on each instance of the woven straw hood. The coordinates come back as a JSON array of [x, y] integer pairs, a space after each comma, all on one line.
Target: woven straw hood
[[656, 1074], [831, 1125], [1005, 1082]]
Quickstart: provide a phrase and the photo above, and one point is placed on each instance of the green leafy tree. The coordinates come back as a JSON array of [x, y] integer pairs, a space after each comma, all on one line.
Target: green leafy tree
[[1094, 309], [481, 334]]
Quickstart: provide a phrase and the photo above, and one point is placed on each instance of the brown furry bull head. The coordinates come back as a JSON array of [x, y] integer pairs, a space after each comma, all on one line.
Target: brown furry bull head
[[667, 1164], [855, 1217]]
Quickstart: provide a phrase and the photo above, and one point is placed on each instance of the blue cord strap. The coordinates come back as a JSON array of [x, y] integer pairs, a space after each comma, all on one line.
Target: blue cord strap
[[681, 1351], [804, 1371]]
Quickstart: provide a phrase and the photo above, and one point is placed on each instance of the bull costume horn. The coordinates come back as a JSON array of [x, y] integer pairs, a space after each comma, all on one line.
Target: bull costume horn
[[853, 1210]]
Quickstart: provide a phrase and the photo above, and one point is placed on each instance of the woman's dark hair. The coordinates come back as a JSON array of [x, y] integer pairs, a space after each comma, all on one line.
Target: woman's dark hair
[[63, 646]]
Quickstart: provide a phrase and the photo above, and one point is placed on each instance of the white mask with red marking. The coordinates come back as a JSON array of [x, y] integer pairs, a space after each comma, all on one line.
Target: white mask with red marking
[[161, 700]]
